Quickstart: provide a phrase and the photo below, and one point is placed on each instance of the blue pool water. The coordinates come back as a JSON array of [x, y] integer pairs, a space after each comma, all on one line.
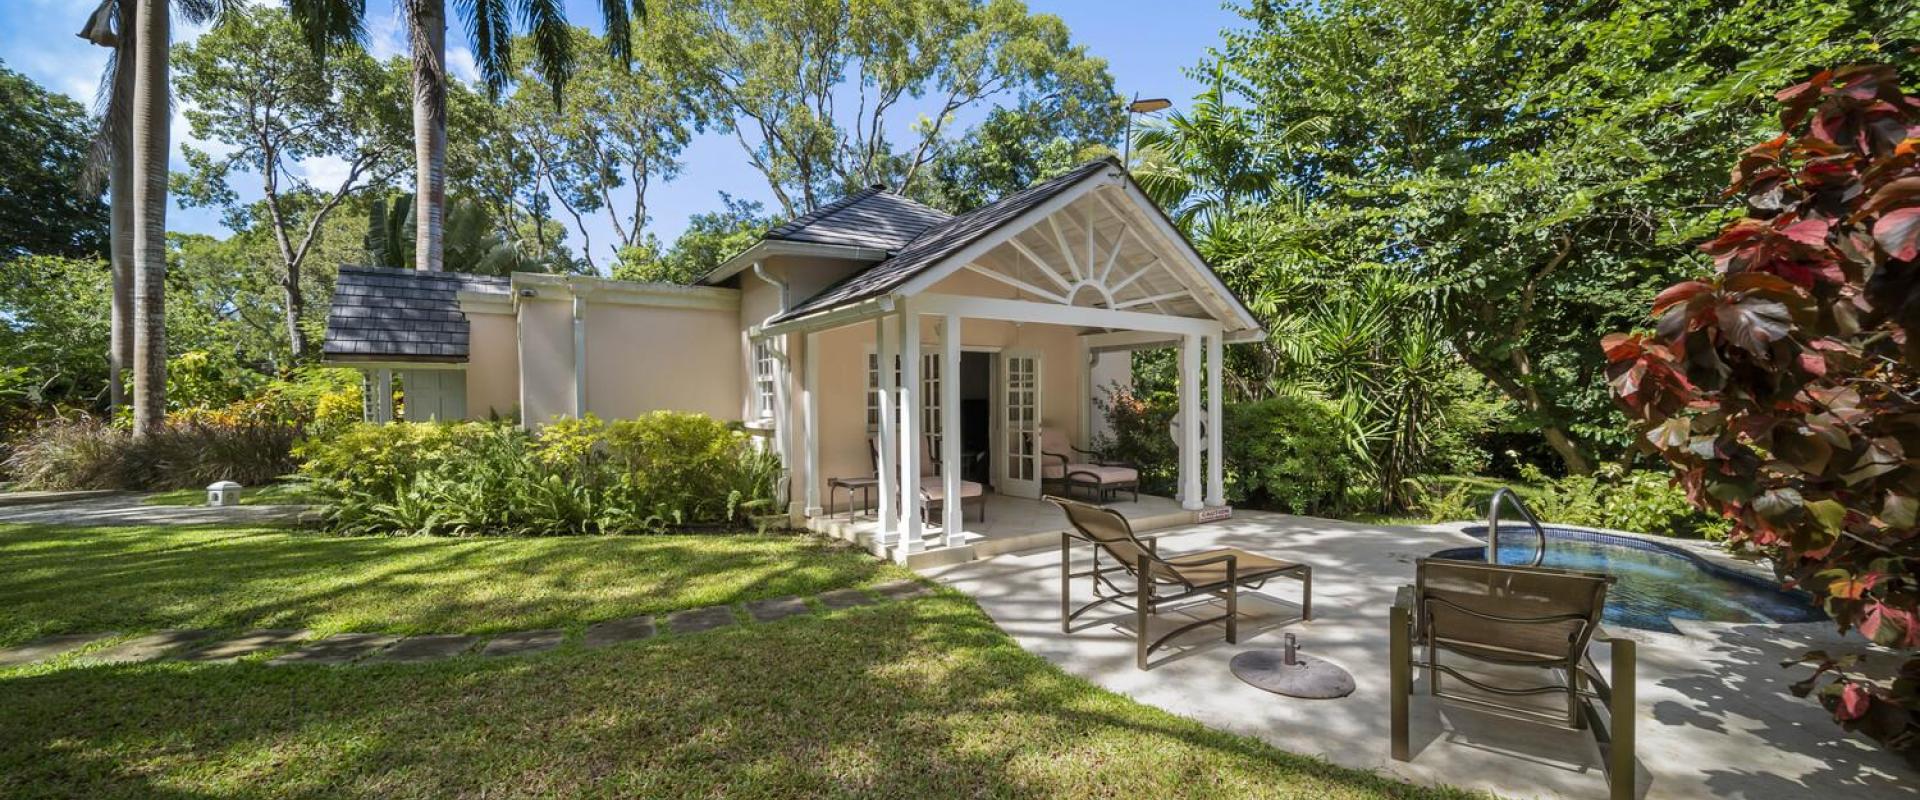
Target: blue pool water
[[1656, 583]]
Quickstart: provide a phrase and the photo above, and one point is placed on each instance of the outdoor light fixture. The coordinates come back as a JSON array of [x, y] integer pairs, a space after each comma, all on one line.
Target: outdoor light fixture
[[1139, 106]]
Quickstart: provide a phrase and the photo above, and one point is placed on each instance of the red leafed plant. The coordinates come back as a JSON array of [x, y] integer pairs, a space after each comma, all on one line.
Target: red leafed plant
[[1784, 389]]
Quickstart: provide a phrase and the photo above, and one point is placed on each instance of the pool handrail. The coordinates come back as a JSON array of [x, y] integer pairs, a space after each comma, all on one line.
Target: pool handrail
[[1493, 525]]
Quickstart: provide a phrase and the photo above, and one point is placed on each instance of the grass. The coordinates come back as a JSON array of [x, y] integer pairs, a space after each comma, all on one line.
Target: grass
[[923, 698], [64, 580], [269, 495]]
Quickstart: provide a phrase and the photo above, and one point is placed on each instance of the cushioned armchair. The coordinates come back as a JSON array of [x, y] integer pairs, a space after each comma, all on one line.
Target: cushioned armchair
[[1067, 466]]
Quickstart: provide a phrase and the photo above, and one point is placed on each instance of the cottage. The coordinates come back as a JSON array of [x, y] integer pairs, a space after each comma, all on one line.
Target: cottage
[[1018, 313]]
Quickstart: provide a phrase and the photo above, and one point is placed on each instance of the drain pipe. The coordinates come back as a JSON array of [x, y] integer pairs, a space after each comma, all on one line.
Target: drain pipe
[[579, 352], [781, 430]]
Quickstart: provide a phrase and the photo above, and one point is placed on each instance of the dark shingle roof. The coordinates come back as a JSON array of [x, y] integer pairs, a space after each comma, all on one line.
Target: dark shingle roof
[[940, 241], [404, 315], [871, 217]]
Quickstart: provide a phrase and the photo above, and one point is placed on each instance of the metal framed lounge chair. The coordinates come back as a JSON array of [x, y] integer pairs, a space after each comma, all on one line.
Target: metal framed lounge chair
[[1161, 581], [1511, 616], [1070, 466]]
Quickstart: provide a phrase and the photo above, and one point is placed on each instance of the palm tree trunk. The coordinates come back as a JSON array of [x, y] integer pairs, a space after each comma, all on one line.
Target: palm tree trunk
[[152, 118], [429, 42], [120, 198]]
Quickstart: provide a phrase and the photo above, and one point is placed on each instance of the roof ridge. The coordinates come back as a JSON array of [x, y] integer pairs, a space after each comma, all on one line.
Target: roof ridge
[[822, 212]]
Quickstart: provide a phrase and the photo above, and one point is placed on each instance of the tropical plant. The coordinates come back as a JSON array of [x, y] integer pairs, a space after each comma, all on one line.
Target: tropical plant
[[1782, 387], [1288, 453], [1538, 167], [332, 24], [470, 236]]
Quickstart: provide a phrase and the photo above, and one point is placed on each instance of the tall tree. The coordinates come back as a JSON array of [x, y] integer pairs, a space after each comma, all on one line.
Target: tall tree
[[709, 239], [617, 130], [43, 152], [776, 74], [111, 26], [1541, 166], [329, 24], [258, 90]]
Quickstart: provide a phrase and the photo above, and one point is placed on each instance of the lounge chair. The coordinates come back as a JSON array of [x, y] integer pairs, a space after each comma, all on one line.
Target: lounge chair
[[933, 486], [1070, 466], [1529, 617], [1161, 581]]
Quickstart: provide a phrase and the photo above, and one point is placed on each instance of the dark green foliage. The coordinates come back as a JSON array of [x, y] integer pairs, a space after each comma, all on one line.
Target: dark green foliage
[[43, 151], [1290, 454], [661, 471], [710, 238]]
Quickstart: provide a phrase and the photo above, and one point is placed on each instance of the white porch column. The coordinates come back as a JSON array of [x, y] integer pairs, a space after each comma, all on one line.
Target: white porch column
[[1190, 422], [953, 515], [887, 448], [1216, 455], [810, 419], [379, 389], [911, 524]]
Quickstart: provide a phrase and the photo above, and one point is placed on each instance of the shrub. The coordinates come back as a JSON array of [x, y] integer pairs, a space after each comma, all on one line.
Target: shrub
[[1139, 425], [82, 452], [1289, 453], [660, 471], [1642, 501]]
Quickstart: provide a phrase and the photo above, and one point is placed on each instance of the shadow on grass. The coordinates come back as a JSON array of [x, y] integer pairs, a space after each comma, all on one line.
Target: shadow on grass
[[916, 699], [63, 579]]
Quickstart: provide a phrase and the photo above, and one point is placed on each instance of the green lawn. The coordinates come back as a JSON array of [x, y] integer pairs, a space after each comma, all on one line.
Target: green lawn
[[919, 698], [272, 494], [63, 579]]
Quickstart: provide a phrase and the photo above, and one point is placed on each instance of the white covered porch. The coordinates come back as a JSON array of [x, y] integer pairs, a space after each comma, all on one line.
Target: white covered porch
[[1079, 266]]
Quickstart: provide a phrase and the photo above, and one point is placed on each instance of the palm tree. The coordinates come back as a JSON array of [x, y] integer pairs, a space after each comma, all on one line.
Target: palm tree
[[133, 143], [333, 23]]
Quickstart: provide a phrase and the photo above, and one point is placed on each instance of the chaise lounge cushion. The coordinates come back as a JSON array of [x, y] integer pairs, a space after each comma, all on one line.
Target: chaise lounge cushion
[[1101, 474], [934, 488]]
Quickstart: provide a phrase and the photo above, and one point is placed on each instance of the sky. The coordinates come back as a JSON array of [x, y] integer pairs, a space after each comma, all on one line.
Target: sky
[[1149, 47]]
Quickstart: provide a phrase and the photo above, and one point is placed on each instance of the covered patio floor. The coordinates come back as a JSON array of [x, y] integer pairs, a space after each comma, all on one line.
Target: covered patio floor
[[1716, 718], [1014, 524]]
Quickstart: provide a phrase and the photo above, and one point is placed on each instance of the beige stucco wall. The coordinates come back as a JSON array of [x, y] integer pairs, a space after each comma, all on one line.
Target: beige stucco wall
[[647, 358], [546, 358], [493, 366]]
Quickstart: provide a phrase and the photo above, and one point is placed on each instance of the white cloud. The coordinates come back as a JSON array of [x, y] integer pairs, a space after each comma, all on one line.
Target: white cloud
[[326, 173], [386, 37], [461, 64]]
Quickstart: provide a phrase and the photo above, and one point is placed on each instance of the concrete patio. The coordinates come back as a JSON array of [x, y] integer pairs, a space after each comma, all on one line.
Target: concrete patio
[[1716, 718]]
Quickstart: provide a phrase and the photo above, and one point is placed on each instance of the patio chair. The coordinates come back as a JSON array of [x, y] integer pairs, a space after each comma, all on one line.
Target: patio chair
[[933, 487], [1069, 466], [1161, 581], [1515, 617]]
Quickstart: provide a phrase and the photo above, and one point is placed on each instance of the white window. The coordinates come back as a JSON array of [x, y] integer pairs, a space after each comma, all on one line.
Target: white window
[[763, 378]]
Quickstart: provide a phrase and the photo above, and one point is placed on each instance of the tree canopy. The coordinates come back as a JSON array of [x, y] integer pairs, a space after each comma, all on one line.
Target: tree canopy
[[42, 209]]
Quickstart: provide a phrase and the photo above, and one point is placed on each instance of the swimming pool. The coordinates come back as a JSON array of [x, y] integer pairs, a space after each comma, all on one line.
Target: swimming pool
[[1656, 583]]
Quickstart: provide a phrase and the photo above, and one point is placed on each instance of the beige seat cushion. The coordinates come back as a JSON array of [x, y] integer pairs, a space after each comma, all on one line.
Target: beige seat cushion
[[1105, 476], [935, 488]]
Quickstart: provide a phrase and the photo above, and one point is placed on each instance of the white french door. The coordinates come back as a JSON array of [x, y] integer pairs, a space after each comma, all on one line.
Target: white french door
[[1020, 424]]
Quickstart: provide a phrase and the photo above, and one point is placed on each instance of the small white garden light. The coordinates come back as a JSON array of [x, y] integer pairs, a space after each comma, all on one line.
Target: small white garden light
[[223, 493]]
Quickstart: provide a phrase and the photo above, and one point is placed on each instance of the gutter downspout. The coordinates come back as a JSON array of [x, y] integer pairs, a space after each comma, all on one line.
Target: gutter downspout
[[782, 432], [579, 352]]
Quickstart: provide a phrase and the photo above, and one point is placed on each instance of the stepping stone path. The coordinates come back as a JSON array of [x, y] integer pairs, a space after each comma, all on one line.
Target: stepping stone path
[[700, 619], [631, 629], [424, 648], [777, 608], [43, 649], [381, 648], [146, 648], [340, 648], [522, 643], [247, 644]]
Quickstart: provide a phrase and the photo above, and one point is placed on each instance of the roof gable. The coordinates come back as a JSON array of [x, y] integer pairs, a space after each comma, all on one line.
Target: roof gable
[[401, 315], [940, 241]]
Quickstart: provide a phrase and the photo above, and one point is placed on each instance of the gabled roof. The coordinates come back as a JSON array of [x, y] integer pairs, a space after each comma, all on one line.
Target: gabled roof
[[872, 217], [940, 241], [401, 315]]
